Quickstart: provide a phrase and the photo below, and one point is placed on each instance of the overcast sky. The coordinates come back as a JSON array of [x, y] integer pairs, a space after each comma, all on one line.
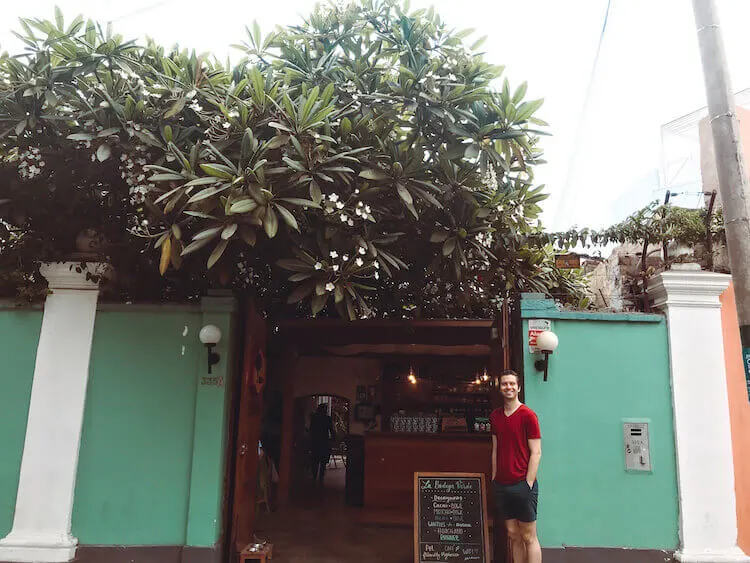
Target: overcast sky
[[648, 73]]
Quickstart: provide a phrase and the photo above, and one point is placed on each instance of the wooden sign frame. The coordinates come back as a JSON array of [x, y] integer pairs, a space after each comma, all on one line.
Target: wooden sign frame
[[485, 522]]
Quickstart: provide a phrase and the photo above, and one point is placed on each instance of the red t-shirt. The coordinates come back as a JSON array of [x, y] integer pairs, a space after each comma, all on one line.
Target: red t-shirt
[[513, 434]]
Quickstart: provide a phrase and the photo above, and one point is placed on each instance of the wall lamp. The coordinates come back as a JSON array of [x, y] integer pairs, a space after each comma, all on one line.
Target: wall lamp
[[546, 344], [210, 336]]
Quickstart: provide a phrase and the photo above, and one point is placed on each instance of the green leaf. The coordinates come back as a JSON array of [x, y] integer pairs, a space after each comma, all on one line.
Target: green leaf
[[301, 292], [294, 164], [299, 201], [270, 223], [318, 303], [218, 171], [288, 217], [195, 245], [248, 234], [520, 92], [372, 174], [104, 152], [208, 192], [208, 233], [449, 246], [217, 252], [278, 141], [166, 177], [439, 236], [244, 205], [80, 137], [175, 109], [107, 132], [229, 231], [293, 265], [404, 194], [201, 182]]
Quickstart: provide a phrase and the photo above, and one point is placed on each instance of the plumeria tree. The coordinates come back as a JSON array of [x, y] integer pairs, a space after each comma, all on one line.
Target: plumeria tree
[[363, 162]]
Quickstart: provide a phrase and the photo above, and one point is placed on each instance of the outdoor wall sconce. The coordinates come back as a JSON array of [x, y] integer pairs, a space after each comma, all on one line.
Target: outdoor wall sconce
[[210, 336], [546, 344]]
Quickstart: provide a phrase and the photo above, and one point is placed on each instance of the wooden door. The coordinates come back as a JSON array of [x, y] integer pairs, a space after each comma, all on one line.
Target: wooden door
[[250, 412]]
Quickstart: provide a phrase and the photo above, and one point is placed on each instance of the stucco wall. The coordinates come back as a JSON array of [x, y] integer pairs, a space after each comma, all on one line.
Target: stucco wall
[[19, 335], [739, 414], [136, 448], [150, 469], [607, 368]]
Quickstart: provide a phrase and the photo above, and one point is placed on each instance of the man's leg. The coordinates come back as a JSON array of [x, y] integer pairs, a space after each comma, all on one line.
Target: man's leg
[[527, 531], [516, 541]]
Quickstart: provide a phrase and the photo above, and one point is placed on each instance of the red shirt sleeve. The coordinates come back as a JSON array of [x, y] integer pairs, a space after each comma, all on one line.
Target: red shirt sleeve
[[533, 432]]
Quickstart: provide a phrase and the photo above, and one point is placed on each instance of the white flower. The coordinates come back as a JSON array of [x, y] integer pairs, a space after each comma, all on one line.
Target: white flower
[[350, 223], [356, 191], [330, 286], [343, 218], [335, 267], [345, 257], [226, 125], [333, 197], [334, 254], [367, 208], [377, 275], [340, 205], [376, 264], [363, 250], [318, 265], [233, 113], [358, 212], [360, 262]]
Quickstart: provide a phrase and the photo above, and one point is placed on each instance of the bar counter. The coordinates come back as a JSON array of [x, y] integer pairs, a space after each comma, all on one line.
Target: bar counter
[[391, 459]]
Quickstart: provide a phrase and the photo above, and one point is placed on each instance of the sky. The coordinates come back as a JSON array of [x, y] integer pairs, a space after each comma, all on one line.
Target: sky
[[604, 154]]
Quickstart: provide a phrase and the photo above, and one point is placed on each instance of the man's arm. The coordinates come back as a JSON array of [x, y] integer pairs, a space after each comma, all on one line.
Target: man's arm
[[494, 456], [535, 446]]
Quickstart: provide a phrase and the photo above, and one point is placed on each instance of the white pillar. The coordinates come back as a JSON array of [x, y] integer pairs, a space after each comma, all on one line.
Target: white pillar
[[44, 504], [708, 518]]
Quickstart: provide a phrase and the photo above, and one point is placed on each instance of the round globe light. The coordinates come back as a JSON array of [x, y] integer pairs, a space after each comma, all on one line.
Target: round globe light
[[210, 335], [547, 341]]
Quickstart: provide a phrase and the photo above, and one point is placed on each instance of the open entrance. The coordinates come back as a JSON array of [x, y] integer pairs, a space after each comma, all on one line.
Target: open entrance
[[400, 396]]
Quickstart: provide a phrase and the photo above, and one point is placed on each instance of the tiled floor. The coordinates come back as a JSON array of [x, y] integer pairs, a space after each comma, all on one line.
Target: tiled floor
[[320, 528]]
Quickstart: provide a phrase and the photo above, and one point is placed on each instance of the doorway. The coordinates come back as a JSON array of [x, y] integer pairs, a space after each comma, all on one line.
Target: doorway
[[339, 409]]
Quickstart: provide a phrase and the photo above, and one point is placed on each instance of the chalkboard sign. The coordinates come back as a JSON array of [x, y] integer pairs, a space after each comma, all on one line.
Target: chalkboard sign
[[450, 518]]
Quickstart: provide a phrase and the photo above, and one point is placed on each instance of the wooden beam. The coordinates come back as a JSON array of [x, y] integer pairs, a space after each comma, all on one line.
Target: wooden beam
[[476, 350], [289, 375], [386, 323]]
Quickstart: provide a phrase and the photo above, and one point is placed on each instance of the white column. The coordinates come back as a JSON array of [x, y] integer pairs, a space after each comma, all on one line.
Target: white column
[[44, 504], [708, 518]]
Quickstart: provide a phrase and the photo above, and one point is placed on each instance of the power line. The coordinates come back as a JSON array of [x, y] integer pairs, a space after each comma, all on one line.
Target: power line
[[587, 96]]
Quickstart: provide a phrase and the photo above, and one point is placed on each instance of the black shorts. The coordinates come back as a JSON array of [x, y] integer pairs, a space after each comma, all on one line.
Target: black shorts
[[516, 502]]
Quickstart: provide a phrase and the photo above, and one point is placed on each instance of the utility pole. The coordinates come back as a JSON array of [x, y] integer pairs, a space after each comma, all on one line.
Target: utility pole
[[730, 163]]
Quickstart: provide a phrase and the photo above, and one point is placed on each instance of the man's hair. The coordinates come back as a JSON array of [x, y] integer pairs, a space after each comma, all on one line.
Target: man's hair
[[513, 373]]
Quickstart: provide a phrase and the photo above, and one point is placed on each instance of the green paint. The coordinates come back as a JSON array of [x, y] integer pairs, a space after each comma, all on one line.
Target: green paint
[[601, 373], [137, 443], [19, 335], [209, 449]]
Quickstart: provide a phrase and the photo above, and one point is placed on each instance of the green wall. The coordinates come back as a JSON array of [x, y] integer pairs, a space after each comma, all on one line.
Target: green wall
[[19, 335], [604, 371], [137, 445]]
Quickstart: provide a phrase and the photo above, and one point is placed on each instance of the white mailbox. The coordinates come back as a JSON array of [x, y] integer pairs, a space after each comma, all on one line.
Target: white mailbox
[[637, 445]]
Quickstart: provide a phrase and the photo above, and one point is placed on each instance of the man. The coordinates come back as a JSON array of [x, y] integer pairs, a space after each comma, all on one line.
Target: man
[[516, 452], [321, 437]]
